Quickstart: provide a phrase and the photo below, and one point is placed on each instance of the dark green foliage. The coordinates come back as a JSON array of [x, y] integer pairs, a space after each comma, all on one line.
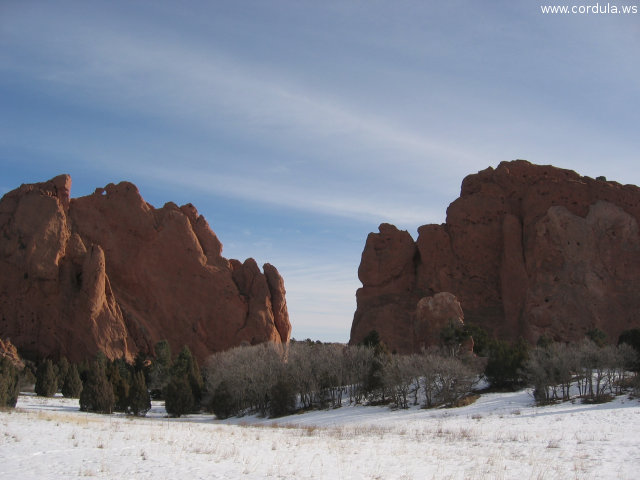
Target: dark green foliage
[[141, 364], [46, 380], [597, 336], [372, 339], [139, 401], [160, 370], [72, 386], [97, 393], [374, 382], [222, 403], [162, 349], [283, 398], [453, 336], [119, 379], [62, 369], [178, 399], [544, 341], [9, 383], [505, 364], [481, 339], [186, 366]]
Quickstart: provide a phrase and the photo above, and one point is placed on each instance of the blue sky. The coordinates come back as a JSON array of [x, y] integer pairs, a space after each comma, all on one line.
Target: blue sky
[[296, 127]]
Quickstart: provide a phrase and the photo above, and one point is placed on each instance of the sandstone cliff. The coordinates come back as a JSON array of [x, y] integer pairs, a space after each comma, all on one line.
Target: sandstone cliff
[[110, 272], [526, 249]]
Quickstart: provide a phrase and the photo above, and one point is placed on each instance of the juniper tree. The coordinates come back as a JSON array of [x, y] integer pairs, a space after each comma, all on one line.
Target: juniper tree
[[120, 383], [9, 383], [62, 369], [139, 401], [178, 399], [46, 380], [72, 386], [160, 371], [185, 365], [97, 393], [505, 364]]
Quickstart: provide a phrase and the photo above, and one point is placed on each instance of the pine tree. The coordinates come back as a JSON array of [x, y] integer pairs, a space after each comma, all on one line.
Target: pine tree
[[185, 366], [72, 386], [46, 380], [97, 393], [9, 383], [139, 401]]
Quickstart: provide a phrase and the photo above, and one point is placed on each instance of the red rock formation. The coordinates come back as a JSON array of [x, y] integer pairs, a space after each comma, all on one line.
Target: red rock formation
[[435, 313], [110, 272], [10, 352], [527, 250]]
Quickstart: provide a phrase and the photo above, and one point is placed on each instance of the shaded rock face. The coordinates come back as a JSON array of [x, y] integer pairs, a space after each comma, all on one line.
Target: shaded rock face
[[435, 313], [526, 249], [110, 272]]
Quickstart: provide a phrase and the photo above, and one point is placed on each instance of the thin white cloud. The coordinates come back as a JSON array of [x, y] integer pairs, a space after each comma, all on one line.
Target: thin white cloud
[[294, 197], [212, 90]]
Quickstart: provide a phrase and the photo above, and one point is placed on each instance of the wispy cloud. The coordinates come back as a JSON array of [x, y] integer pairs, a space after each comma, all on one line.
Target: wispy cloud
[[364, 111]]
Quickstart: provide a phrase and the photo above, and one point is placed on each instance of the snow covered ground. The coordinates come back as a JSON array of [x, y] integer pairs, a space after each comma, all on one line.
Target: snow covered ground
[[500, 436]]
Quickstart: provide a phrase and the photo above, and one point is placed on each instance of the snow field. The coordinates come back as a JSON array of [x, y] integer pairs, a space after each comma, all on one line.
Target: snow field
[[499, 436]]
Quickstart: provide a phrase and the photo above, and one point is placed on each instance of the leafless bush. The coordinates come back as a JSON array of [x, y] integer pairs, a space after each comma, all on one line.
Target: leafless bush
[[597, 372], [444, 379]]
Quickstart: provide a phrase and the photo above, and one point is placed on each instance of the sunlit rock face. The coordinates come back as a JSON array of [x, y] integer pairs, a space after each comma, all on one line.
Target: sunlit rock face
[[110, 272], [526, 249]]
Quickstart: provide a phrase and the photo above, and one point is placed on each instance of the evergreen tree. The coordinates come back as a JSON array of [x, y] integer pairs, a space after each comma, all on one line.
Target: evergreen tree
[[9, 383], [481, 339], [371, 340], [139, 401], [597, 336], [97, 393], [452, 337], [141, 364], [505, 367], [222, 402], [160, 371], [283, 398], [178, 397], [119, 381], [72, 386], [62, 369], [186, 366], [46, 380]]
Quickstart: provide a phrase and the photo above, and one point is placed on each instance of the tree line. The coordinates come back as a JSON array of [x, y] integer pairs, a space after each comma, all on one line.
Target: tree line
[[265, 380], [271, 381]]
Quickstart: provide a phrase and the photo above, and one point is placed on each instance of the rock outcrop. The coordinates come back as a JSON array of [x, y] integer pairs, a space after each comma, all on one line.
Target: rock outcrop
[[110, 272], [10, 352], [526, 249]]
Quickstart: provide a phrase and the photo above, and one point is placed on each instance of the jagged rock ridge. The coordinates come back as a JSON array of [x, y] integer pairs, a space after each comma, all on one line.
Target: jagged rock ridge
[[110, 272], [526, 249]]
